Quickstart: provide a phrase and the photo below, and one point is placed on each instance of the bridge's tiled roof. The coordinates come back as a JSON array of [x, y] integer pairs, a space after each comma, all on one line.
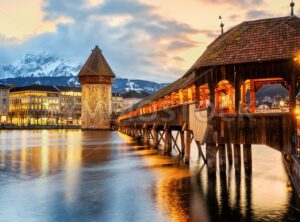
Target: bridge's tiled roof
[[96, 65], [181, 83], [254, 41]]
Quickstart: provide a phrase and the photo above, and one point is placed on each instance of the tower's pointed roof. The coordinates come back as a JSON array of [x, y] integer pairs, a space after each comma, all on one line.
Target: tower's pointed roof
[[96, 65]]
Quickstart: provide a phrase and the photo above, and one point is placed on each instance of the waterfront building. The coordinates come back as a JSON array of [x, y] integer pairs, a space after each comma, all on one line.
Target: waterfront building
[[34, 105], [70, 105], [96, 78], [47, 105], [116, 103], [131, 98], [4, 103]]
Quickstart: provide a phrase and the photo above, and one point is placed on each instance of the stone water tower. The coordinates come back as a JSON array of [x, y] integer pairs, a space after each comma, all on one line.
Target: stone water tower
[[96, 78]]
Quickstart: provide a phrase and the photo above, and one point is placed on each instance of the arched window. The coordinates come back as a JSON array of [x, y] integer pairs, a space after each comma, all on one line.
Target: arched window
[[224, 98]]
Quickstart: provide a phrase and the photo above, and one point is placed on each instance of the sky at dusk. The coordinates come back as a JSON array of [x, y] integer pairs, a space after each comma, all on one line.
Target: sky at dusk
[[141, 39]]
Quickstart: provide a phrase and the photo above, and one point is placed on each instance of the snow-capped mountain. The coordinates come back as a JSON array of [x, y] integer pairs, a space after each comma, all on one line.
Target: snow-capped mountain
[[39, 65], [47, 69]]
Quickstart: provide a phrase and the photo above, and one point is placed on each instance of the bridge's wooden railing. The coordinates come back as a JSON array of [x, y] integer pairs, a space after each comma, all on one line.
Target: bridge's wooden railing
[[174, 116], [272, 129]]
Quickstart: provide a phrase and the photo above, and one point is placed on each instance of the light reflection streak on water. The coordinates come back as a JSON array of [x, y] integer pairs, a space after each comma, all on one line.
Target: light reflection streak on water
[[73, 165]]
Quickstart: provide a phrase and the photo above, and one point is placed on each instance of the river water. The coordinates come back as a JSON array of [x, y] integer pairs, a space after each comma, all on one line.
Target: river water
[[69, 175]]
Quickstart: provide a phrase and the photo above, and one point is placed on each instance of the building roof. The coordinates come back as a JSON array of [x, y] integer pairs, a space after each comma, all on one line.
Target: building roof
[[254, 41], [135, 94], [116, 94], [4, 86], [34, 88], [68, 88], [96, 65]]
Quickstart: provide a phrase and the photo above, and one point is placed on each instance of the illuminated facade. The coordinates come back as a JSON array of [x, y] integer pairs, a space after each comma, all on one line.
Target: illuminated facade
[[34, 105], [46, 105], [4, 103], [70, 105], [117, 103], [96, 78], [133, 97]]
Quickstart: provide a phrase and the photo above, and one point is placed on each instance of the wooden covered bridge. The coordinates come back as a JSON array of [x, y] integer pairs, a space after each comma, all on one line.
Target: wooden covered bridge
[[214, 103]]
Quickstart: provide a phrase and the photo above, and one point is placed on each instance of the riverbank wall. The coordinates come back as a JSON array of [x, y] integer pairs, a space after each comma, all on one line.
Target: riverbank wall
[[37, 127]]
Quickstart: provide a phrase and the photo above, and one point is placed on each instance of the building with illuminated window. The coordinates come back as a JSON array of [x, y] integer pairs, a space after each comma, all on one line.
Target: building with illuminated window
[[46, 105], [131, 98], [116, 103], [34, 105], [70, 105], [4, 103]]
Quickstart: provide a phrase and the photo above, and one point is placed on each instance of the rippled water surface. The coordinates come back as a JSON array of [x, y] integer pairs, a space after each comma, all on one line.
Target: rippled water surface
[[70, 175]]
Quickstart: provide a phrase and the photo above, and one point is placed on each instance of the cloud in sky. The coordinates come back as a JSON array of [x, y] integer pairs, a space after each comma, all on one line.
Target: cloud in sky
[[142, 39], [235, 2]]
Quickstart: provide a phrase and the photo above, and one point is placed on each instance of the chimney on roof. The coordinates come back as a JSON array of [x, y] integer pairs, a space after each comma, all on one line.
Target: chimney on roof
[[222, 25], [292, 8]]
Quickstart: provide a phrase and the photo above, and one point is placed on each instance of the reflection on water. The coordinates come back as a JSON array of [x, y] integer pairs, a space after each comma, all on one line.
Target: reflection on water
[[70, 175]]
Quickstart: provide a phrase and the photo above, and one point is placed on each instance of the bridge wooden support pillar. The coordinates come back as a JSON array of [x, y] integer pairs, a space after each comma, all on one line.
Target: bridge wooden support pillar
[[247, 150], [155, 138], [136, 134], [211, 157], [128, 131], [168, 141], [200, 152], [222, 157], [145, 136], [182, 140], [229, 153], [131, 131], [237, 157], [187, 148]]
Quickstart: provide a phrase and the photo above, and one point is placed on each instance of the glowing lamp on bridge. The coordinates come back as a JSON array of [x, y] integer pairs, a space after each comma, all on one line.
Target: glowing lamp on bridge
[[281, 103], [297, 59], [297, 112]]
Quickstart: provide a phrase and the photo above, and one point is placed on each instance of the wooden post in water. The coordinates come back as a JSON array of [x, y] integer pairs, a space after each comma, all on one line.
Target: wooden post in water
[[237, 157], [229, 153], [168, 141], [145, 135], [187, 151], [130, 131], [247, 158], [211, 157], [222, 157], [155, 138], [182, 139]]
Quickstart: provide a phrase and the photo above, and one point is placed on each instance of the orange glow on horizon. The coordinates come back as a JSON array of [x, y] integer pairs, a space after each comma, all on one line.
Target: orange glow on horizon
[[22, 20]]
